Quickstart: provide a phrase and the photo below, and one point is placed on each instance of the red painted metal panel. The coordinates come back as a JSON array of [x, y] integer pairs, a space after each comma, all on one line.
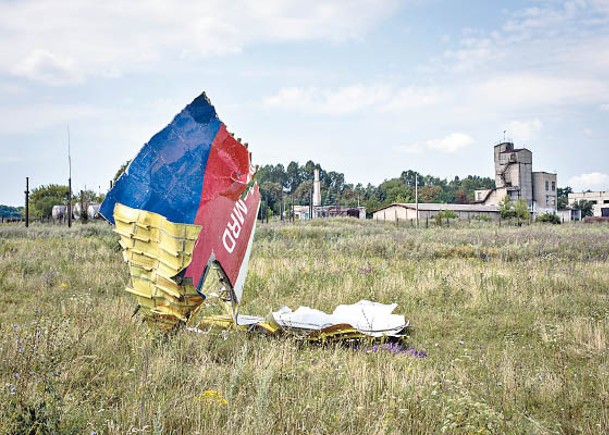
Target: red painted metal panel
[[227, 220]]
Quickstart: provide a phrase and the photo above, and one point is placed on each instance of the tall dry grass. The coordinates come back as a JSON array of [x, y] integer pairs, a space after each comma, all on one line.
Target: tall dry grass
[[515, 323]]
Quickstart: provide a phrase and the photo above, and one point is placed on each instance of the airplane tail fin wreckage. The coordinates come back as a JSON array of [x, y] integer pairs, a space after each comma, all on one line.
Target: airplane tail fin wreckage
[[186, 208]]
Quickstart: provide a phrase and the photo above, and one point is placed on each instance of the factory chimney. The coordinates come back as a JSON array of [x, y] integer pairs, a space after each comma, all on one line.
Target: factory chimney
[[316, 190]]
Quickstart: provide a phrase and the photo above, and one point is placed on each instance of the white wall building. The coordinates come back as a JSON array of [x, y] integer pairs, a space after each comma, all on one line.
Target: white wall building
[[600, 201]]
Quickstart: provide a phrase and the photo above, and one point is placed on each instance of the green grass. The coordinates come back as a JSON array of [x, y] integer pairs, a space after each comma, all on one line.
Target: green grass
[[515, 322]]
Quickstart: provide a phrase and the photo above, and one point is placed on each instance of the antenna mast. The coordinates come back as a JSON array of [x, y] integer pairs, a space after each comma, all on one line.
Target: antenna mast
[[416, 195], [69, 181]]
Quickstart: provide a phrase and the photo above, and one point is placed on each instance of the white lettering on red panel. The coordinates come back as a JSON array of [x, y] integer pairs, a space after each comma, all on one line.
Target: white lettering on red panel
[[234, 226]]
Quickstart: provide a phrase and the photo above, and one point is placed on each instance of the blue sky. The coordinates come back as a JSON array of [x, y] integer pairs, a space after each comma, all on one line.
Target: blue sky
[[365, 87]]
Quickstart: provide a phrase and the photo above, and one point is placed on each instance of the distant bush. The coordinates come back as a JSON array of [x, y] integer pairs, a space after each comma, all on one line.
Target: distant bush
[[549, 217], [445, 216]]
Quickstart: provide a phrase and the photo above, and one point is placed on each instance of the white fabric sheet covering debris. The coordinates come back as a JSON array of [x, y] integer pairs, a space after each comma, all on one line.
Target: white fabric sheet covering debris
[[370, 318]]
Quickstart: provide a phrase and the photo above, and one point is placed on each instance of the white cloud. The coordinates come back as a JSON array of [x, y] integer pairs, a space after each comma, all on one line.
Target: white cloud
[[353, 98], [61, 42], [472, 53], [554, 54], [409, 149], [601, 5], [604, 107], [43, 66], [524, 130], [529, 89], [592, 181], [4, 159], [344, 100], [30, 118], [451, 143], [414, 97], [291, 98]]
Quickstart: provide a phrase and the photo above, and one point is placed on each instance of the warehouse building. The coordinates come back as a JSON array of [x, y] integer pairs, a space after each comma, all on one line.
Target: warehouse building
[[401, 212]]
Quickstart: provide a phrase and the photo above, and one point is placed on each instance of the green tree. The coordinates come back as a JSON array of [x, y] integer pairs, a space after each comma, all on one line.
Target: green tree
[[120, 171], [521, 210], [468, 185], [10, 212], [506, 209], [548, 217], [409, 178], [296, 180], [445, 215], [585, 206], [84, 198], [308, 169], [294, 176], [518, 209], [430, 193], [562, 194], [88, 196], [43, 198], [302, 194], [395, 190]]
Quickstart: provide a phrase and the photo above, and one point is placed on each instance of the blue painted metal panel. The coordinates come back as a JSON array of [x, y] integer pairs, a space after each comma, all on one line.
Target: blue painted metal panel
[[166, 177]]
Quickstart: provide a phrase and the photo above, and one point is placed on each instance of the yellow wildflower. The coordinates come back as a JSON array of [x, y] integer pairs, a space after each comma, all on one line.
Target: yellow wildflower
[[213, 396]]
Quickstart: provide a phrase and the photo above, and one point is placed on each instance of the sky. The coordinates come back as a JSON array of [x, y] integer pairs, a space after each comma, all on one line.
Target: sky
[[369, 88]]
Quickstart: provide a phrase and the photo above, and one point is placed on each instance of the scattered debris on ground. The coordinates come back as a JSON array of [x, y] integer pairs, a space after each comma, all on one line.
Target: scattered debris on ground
[[186, 210]]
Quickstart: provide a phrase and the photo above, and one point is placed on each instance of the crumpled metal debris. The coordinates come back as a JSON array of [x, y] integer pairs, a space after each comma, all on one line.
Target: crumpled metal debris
[[183, 208], [186, 206], [369, 318]]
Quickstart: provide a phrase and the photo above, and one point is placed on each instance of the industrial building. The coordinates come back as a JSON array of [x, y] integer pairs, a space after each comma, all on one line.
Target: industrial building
[[304, 212], [317, 210], [401, 212], [514, 177], [599, 200]]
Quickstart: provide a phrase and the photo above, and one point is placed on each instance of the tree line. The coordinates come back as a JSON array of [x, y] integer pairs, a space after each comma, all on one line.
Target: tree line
[[294, 183]]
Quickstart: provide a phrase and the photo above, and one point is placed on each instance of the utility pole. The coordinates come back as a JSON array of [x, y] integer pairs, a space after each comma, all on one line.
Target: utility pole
[[281, 206], [416, 196], [27, 202], [69, 182], [311, 200]]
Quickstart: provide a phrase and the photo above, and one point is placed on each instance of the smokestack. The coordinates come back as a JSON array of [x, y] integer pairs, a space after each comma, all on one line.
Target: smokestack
[[316, 190]]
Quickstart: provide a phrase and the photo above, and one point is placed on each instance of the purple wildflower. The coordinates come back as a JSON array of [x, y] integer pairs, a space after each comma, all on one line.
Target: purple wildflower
[[397, 349]]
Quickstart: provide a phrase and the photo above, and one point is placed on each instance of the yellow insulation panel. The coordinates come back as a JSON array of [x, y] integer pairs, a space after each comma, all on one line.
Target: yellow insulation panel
[[156, 250]]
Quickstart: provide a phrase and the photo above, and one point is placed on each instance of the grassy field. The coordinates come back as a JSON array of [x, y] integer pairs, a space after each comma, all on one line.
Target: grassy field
[[514, 321]]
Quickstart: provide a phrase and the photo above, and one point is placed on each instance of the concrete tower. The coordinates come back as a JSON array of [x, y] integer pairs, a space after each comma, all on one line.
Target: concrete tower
[[514, 177], [514, 171], [316, 190]]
